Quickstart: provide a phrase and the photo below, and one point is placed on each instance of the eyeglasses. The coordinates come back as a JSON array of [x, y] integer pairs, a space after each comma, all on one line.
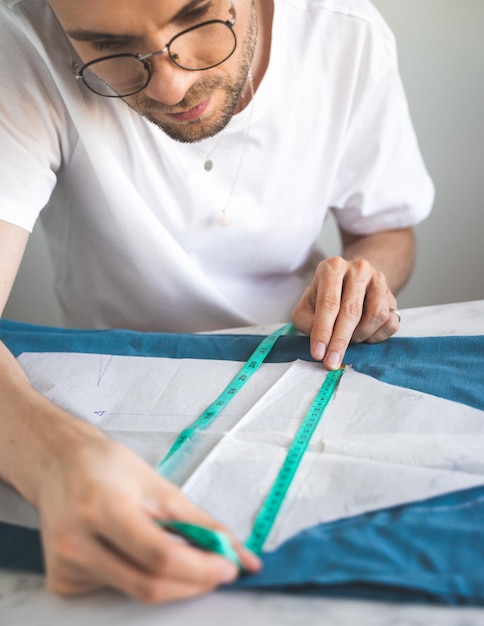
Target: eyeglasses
[[199, 47]]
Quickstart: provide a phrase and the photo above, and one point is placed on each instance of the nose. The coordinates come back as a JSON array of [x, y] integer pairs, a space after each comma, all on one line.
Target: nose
[[169, 83]]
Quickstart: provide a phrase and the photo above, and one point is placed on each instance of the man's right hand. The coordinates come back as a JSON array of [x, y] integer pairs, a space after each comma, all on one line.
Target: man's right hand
[[97, 502]]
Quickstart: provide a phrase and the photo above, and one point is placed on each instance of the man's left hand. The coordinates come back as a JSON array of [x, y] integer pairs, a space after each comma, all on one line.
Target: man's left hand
[[347, 301]]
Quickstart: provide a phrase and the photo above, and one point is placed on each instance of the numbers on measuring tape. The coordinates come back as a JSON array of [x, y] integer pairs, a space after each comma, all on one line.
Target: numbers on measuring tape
[[255, 361], [267, 515], [270, 508]]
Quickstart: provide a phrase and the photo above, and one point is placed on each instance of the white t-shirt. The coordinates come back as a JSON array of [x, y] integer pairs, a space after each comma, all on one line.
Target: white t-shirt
[[132, 215]]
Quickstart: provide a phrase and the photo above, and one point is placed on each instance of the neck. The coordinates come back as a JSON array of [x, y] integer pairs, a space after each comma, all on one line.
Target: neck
[[265, 15], [260, 61]]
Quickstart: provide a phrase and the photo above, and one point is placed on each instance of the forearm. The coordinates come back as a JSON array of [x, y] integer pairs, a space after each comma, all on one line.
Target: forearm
[[391, 252], [34, 431], [97, 503]]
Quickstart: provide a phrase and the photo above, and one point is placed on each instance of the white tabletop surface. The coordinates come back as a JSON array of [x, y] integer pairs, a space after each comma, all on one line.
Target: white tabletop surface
[[24, 600]]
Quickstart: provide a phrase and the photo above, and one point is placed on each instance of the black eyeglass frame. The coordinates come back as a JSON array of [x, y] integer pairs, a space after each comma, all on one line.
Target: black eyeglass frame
[[144, 59]]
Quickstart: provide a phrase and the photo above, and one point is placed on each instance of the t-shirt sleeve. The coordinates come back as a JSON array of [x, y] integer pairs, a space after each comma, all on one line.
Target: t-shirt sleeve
[[382, 180], [32, 128]]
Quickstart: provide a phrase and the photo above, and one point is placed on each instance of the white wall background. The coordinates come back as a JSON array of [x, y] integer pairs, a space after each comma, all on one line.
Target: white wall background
[[441, 50]]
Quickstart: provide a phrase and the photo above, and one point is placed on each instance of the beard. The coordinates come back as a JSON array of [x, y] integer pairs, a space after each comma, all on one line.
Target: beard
[[195, 130], [229, 89]]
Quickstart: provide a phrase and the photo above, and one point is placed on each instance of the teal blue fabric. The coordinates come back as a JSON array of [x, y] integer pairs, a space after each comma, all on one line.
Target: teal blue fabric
[[449, 367], [430, 551]]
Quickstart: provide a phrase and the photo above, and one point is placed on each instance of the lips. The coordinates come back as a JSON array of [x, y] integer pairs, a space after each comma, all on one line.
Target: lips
[[194, 113]]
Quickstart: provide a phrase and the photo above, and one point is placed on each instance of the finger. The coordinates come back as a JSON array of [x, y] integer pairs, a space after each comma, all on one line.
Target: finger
[[248, 559], [68, 579], [376, 316], [388, 329], [318, 308], [326, 303], [134, 534], [349, 315], [180, 508], [101, 567], [184, 565], [303, 313]]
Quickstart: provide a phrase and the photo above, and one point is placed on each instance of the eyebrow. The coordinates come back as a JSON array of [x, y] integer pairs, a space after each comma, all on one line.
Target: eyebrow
[[92, 35], [81, 34]]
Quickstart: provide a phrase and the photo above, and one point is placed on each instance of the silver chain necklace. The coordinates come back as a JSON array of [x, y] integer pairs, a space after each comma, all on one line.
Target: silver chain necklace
[[224, 218]]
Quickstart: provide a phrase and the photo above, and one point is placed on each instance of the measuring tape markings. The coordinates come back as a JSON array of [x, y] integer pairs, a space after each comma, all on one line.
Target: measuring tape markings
[[250, 367], [206, 538], [270, 508]]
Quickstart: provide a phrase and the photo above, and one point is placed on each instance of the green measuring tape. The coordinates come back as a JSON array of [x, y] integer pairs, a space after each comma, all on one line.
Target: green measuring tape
[[206, 538], [216, 541], [267, 515], [253, 364]]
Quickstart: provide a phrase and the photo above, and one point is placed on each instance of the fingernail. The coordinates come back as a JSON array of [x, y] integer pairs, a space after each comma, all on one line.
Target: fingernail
[[252, 556], [229, 574], [334, 360], [319, 351]]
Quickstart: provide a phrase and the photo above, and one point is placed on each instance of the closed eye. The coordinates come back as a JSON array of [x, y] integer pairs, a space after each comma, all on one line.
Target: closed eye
[[108, 42], [108, 45], [198, 13]]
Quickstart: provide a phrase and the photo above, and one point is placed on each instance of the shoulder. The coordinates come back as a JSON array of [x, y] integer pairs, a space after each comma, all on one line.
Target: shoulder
[[8, 4], [25, 15], [344, 34], [13, 8], [29, 31], [362, 10], [345, 16], [26, 20]]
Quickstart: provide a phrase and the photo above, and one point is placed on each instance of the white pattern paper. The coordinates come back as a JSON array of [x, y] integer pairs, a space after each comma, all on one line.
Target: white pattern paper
[[377, 445]]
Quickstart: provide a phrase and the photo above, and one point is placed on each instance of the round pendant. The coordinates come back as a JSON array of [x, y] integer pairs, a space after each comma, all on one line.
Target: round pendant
[[224, 219], [207, 166]]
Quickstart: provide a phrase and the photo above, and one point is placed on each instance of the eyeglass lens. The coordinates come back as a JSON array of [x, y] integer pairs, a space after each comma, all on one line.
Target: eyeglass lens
[[200, 48]]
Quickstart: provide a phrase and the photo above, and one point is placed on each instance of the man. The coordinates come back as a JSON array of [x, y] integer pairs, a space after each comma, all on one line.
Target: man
[[186, 153]]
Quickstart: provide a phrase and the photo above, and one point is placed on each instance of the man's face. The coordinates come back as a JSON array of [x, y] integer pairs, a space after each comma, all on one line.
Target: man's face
[[187, 105]]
